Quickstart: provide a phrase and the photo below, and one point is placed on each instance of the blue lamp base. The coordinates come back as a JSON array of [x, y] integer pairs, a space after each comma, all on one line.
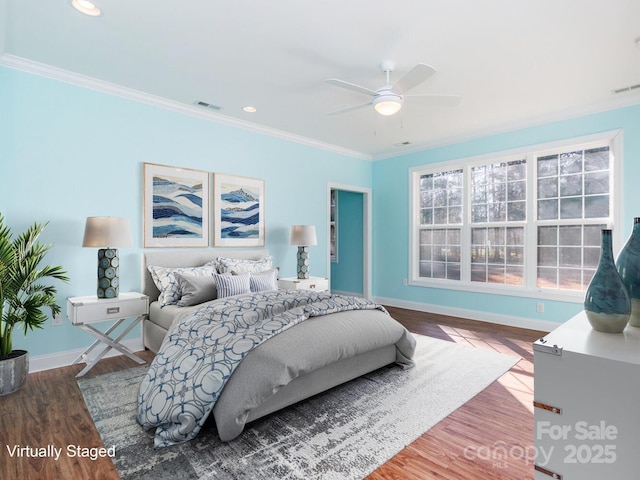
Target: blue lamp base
[[108, 273], [303, 262]]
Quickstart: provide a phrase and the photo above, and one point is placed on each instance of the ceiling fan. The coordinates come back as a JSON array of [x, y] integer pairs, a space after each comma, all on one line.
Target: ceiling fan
[[388, 99]]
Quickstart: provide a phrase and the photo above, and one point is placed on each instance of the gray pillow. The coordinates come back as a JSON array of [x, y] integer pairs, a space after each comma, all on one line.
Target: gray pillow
[[196, 289]]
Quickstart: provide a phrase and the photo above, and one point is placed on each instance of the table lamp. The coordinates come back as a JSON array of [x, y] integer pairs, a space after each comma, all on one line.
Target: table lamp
[[106, 233], [303, 236]]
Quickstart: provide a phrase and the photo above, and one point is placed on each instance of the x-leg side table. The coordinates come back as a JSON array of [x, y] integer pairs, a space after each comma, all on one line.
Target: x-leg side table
[[83, 311], [110, 343]]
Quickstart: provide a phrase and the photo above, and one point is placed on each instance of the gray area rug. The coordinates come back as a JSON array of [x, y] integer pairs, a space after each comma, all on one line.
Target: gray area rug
[[345, 433]]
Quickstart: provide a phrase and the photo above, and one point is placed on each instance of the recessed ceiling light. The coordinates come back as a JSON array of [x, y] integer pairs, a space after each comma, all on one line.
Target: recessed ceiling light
[[86, 7], [249, 109]]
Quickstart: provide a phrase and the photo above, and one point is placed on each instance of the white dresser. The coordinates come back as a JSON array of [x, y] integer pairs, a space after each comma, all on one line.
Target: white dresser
[[587, 403], [312, 283]]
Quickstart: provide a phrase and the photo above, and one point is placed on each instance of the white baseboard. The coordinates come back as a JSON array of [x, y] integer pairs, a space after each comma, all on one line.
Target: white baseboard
[[62, 359], [509, 320], [347, 294]]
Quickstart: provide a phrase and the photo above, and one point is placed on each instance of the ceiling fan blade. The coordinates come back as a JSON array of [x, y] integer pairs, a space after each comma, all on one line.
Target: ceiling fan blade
[[414, 77], [438, 100], [351, 86], [350, 109]]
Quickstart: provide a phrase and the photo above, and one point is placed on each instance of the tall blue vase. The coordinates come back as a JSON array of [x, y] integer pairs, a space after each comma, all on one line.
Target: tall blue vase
[[628, 264], [607, 303]]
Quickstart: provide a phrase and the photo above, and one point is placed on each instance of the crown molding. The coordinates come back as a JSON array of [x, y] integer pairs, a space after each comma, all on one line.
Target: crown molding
[[615, 104], [66, 76]]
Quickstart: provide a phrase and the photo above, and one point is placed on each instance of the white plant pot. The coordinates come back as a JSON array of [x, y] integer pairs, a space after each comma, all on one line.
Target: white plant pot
[[13, 371]]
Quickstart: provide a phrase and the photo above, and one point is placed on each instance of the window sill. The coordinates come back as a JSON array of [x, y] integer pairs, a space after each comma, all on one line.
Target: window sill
[[494, 289]]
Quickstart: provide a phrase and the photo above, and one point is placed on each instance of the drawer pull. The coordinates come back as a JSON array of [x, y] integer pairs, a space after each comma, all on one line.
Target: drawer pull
[[112, 310], [552, 474], [548, 408]]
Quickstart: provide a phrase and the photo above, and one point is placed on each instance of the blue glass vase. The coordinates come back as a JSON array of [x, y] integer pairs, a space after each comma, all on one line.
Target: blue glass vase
[[628, 264], [607, 303]]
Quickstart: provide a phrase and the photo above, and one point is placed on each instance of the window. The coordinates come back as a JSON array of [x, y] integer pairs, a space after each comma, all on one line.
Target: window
[[526, 222], [440, 220], [498, 208], [573, 200]]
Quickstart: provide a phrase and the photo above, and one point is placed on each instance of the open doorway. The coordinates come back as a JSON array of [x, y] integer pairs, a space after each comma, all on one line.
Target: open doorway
[[349, 243]]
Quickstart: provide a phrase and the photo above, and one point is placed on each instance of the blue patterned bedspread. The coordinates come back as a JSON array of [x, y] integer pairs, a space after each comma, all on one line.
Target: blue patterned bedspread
[[193, 364]]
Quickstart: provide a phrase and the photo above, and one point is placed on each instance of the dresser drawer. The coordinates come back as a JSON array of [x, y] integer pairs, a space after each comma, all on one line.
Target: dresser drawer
[[92, 309], [313, 283]]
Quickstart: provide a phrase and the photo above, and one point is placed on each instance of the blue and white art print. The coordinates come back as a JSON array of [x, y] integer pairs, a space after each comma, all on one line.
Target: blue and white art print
[[176, 206], [239, 211]]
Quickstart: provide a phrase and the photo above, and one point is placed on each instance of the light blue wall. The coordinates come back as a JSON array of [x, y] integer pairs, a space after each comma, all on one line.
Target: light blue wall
[[391, 211], [346, 274], [68, 152]]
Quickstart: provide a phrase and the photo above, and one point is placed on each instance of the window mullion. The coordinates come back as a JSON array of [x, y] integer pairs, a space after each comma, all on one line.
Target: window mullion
[[465, 229], [531, 228]]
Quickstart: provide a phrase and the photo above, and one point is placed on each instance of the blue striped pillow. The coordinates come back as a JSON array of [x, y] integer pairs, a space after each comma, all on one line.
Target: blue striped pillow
[[266, 281], [229, 285]]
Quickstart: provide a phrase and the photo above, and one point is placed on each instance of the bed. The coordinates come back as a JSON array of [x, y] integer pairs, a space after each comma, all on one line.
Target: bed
[[319, 353]]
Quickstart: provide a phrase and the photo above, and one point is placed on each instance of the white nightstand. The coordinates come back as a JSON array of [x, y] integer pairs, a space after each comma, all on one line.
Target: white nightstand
[[312, 283], [82, 311]]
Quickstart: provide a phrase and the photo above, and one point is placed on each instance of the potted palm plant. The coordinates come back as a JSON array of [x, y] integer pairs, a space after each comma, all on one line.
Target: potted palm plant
[[23, 296]]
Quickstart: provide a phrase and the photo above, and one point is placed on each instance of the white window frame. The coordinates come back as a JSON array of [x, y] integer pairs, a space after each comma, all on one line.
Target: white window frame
[[529, 289]]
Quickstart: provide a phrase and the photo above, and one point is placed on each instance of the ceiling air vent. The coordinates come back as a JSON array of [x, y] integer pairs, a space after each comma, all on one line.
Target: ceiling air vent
[[402, 144], [211, 106], [631, 88]]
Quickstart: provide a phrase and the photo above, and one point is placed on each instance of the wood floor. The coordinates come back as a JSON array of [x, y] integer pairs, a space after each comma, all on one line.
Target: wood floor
[[490, 437]]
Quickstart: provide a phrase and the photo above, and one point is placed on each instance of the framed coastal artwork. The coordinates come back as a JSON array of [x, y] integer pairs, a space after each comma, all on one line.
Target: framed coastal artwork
[[238, 205], [176, 206]]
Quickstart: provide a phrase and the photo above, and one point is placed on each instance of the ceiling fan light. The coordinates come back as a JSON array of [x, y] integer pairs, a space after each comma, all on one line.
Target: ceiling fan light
[[86, 7], [387, 104]]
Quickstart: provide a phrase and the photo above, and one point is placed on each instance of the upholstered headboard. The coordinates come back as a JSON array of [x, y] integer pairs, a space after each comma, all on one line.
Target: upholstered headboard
[[188, 258]]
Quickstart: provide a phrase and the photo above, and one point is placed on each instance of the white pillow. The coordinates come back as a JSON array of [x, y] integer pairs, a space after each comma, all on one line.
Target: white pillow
[[266, 281], [240, 265], [229, 285], [165, 280]]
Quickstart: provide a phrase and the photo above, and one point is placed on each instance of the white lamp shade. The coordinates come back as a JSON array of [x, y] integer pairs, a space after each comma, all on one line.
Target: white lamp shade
[[303, 235], [105, 232]]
